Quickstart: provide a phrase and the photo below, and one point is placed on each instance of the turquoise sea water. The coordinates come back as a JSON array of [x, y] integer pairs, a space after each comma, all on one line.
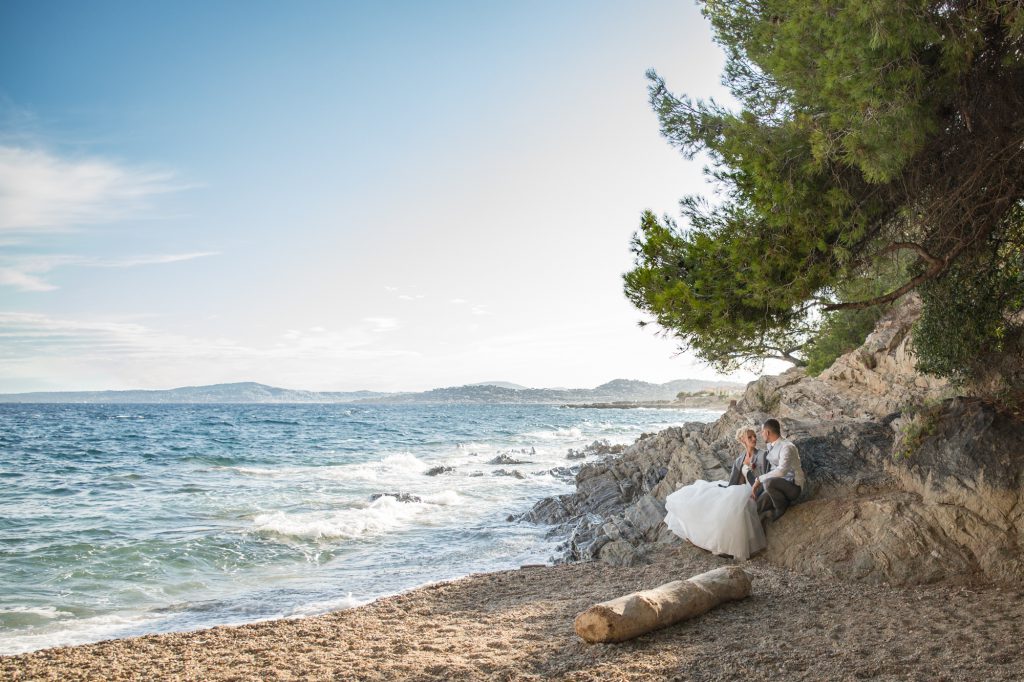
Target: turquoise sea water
[[119, 520]]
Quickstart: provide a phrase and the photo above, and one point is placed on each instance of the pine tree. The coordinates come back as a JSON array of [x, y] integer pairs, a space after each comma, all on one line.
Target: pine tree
[[873, 137]]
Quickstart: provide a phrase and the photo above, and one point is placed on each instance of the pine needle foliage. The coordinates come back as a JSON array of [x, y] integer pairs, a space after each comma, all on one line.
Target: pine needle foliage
[[867, 130]]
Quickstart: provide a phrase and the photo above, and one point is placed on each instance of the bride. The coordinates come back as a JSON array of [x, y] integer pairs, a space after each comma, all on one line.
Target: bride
[[718, 517]]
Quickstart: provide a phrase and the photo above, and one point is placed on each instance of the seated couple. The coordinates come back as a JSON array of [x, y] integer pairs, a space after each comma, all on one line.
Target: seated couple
[[729, 519]]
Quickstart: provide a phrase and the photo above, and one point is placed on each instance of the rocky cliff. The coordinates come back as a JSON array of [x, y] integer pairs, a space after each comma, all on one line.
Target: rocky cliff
[[906, 484]]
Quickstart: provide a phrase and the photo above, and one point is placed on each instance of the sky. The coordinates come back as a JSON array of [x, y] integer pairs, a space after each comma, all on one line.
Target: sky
[[335, 195]]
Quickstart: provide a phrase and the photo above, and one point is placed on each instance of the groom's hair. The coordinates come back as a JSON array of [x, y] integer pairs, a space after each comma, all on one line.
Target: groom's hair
[[773, 426]]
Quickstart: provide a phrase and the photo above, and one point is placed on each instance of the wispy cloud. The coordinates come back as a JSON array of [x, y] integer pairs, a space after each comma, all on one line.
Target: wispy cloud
[[136, 261], [43, 192], [26, 272], [23, 281]]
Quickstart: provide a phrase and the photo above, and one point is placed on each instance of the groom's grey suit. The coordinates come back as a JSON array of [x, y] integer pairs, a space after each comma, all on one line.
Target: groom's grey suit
[[760, 464]]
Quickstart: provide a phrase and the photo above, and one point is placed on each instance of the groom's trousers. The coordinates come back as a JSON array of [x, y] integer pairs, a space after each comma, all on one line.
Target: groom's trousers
[[777, 497]]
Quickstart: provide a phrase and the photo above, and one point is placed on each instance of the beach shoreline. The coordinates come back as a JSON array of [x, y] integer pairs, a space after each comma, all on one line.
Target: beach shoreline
[[518, 625]]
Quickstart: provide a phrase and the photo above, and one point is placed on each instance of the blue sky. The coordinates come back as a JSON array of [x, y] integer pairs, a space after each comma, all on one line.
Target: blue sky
[[334, 195]]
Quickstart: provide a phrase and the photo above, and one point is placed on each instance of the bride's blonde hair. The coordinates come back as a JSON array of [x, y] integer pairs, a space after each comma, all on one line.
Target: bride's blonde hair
[[744, 430]]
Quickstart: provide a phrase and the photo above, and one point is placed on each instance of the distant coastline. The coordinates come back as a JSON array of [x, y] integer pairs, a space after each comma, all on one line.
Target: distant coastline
[[710, 403], [611, 394]]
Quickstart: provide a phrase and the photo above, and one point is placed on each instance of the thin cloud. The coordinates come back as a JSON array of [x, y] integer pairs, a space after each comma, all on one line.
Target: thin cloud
[[150, 260], [41, 192], [26, 273], [23, 281]]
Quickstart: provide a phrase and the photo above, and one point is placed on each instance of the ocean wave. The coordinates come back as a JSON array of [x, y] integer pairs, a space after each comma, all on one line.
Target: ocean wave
[[21, 616], [448, 498], [79, 631], [573, 433], [366, 471], [325, 606], [383, 515], [255, 471], [403, 460]]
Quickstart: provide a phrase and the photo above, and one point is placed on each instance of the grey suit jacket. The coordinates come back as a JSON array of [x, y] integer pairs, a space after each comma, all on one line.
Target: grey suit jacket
[[760, 460]]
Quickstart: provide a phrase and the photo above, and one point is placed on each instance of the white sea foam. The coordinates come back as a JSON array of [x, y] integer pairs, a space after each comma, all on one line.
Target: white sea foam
[[572, 433], [403, 461], [365, 471], [71, 632], [325, 606], [383, 515], [257, 471], [448, 498], [41, 612]]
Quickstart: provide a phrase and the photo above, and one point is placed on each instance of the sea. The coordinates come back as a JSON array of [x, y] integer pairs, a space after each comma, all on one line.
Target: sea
[[123, 520]]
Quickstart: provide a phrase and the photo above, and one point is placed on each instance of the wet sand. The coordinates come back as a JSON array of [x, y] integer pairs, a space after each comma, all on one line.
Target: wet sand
[[518, 625]]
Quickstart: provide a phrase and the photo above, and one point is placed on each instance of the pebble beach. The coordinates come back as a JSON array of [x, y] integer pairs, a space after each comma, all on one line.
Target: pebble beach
[[518, 625]]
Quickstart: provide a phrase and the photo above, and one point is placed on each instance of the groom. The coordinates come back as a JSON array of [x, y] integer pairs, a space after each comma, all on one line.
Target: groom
[[778, 489]]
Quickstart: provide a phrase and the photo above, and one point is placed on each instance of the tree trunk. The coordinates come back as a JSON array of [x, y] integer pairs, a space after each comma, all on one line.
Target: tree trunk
[[641, 612]]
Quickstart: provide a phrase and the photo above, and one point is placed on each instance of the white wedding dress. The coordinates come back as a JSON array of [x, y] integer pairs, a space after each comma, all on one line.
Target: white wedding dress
[[721, 519]]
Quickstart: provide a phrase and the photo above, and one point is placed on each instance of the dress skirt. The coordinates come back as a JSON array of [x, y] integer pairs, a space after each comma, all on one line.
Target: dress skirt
[[721, 519]]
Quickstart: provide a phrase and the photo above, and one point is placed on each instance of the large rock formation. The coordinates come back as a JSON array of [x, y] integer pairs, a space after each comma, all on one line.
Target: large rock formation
[[896, 492]]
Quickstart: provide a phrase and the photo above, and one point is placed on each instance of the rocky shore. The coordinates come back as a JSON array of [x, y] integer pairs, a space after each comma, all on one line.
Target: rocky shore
[[906, 483], [902, 562]]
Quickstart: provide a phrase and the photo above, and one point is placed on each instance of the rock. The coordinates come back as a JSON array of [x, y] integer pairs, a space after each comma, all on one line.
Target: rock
[[564, 473], [596, 449], [880, 375], [620, 553], [549, 511], [646, 515], [953, 508], [506, 459], [510, 472], [401, 497], [438, 470]]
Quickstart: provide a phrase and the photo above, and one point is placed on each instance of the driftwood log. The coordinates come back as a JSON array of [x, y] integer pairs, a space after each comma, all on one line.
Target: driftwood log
[[640, 612]]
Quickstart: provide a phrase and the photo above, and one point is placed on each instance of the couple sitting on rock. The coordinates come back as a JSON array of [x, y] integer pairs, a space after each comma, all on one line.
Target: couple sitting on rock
[[730, 519]]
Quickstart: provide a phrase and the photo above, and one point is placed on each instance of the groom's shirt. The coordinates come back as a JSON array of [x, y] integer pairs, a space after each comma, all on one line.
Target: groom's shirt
[[784, 459]]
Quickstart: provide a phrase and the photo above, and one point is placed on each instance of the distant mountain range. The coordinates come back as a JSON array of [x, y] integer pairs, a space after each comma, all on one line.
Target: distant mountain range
[[619, 390]]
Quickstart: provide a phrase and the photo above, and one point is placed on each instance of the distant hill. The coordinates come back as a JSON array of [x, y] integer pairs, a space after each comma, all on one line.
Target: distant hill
[[618, 390], [245, 392], [499, 384]]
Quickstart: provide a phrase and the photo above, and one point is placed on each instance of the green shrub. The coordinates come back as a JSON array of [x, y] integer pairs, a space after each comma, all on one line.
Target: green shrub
[[841, 332], [921, 422]]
